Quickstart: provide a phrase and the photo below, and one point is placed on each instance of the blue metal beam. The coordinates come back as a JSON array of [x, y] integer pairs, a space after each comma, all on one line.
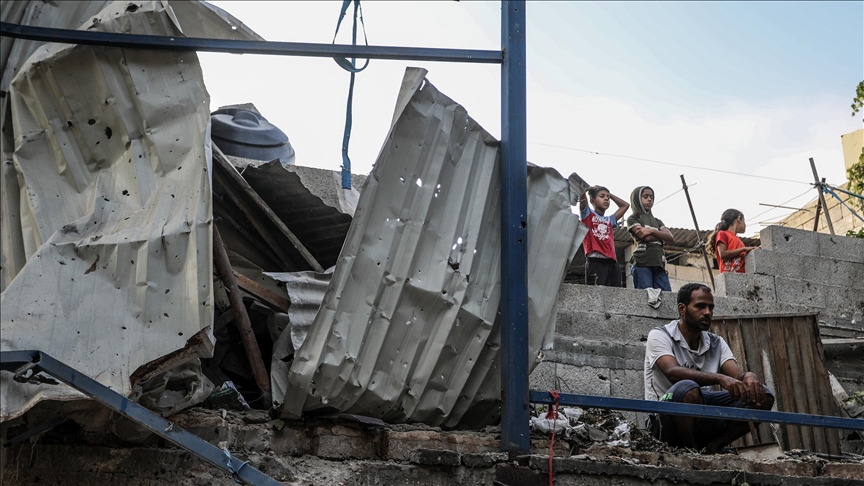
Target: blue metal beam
[[158, 42], [27, 364], [515, 436], [727, 413]]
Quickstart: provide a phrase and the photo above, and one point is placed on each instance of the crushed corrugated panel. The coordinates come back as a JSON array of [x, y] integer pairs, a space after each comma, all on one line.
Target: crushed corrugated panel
[[310, 201], [113, 211], [408, 328], [306, 292]]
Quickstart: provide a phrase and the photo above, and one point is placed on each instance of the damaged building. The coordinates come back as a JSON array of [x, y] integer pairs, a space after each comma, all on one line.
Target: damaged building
[[177, 258]]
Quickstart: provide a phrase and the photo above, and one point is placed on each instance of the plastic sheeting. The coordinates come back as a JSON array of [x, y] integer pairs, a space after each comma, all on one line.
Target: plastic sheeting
[[408, 328], [107, 197]]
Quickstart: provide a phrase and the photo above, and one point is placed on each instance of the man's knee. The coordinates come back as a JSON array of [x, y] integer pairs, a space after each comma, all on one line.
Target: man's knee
[[768, 403], [684, 391], [693, 396]]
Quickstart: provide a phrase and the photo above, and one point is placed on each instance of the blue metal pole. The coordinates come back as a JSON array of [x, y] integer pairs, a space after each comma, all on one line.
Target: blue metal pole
[[708, 411], [160, 42], [33, 362], [515, 437]]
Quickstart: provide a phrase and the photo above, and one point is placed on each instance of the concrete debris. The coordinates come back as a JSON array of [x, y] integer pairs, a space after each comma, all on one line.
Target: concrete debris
[[334, 451]]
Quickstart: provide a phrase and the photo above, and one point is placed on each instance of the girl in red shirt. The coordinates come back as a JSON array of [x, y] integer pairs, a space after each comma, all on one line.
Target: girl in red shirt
[[728, 248]]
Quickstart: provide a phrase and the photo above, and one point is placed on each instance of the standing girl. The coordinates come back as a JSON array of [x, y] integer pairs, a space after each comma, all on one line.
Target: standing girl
[[728, 248], [601, 263], [649, 234]]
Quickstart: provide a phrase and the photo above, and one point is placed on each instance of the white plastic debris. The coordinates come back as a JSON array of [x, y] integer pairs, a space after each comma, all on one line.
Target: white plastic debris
[[620, 435], [546, 425], [574, 414]]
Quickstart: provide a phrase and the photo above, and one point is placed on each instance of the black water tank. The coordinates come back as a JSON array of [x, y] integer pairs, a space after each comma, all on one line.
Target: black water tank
[[246, 134]]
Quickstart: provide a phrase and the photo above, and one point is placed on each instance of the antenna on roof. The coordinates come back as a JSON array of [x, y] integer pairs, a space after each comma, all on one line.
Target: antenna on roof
[[698, 233]]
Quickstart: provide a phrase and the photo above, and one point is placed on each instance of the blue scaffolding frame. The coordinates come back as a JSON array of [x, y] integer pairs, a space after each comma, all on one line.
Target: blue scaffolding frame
[[515, 436]]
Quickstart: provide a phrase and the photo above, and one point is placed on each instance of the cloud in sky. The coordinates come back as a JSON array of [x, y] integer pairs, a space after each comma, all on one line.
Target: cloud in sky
[[705, 85]]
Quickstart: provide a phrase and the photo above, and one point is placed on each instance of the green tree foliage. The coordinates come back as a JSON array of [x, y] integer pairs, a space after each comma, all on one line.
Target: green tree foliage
[[855, 174]]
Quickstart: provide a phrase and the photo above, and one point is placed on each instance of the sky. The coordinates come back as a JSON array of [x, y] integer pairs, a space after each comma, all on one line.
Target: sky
[[622, 93]]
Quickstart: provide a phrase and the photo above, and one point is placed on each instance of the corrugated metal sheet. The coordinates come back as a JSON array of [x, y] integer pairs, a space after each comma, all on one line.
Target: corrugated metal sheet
[[785, 351], [684, 238], [408, 329], [311, 202], [112, 149]]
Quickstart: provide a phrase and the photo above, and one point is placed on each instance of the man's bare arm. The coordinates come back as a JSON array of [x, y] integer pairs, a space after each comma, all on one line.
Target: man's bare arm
[[753, 391], [742, 386]]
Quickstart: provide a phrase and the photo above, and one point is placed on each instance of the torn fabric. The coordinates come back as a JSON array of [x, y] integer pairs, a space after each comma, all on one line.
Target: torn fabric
[[408, 328]]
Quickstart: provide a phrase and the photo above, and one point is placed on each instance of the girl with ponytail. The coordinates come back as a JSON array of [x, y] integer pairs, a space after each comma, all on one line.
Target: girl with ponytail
[[728, 248]]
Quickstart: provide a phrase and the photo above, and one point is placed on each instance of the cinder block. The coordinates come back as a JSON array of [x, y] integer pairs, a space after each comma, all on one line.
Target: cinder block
[[342, 443], [466, 442], [748, 286], [766, 262], [841, 248], [628, 384], [729, 306], [631, 302], [254, 439], [571, 379], [844, 471], [599, 354], [435, 457], [483, 460], [845, 302], [606, 326], [820, 270], [801, 292], [787, 240], [400, 443], [290, 442]]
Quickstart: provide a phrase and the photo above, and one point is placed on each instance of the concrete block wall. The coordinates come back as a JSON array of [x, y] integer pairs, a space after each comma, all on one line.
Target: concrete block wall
[[822, 272], [601, 331]]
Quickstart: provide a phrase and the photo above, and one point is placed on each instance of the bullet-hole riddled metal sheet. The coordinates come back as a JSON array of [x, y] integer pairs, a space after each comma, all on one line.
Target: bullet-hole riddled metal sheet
[[408, 329], [106, 201]]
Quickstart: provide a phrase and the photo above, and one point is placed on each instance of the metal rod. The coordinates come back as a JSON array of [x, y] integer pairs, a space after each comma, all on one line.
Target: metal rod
[[821, 195], [818, 211], [515, 435], [158, 42], [783, 207], [40, 429], [241, 318], [698, 233], [43, 363], [708, 411]]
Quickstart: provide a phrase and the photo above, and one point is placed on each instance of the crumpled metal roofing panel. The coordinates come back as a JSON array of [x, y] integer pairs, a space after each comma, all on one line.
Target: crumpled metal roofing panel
[[310, 201], [408, 328], [683, 237], [112, 151]]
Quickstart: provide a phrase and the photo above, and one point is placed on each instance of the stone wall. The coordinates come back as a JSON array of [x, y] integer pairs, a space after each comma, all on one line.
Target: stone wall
[[601, 331]]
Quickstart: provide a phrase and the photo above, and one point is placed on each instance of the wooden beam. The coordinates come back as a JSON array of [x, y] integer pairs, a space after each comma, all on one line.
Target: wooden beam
[[247, 336], [253, 288], [220, 161]]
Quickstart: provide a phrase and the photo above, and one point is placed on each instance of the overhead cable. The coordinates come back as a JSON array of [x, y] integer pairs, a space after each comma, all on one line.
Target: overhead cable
[[669, 163]]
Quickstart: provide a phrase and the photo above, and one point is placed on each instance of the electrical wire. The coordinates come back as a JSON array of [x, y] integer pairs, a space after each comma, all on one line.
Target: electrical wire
[[669, 163], [752, 218]]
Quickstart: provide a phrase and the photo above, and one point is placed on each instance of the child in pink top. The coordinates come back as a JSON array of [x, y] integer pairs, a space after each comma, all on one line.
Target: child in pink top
[[728, 248]]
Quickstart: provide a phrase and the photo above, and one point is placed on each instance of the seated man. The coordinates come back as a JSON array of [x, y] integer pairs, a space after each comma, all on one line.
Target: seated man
[[682, 361]]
